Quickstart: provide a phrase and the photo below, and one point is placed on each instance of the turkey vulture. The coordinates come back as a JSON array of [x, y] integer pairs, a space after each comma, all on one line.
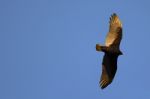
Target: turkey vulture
[[111, 51]]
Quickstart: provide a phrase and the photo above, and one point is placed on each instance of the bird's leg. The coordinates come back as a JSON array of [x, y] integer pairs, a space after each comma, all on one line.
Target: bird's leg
[[101, 48]]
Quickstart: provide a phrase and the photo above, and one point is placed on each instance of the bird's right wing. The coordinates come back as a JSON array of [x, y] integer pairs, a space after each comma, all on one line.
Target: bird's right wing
[[109, 67], [114, 35], [104, 82]]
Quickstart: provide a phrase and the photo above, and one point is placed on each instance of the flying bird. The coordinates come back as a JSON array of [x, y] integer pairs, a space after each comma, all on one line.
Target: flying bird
[[111, 51]]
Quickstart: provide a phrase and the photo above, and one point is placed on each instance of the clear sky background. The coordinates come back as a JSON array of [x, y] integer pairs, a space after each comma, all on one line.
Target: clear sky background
[[47, 49]]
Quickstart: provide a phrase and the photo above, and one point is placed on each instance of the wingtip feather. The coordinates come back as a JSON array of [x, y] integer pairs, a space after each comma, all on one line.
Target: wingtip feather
[[114, 19], [103, 84]]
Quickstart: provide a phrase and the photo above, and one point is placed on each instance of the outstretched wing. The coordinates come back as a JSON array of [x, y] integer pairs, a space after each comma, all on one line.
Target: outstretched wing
[[109, 68], [114, 35]]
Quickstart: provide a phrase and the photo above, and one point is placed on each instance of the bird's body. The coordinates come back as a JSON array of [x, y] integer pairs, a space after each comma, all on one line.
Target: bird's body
[[111, 50]]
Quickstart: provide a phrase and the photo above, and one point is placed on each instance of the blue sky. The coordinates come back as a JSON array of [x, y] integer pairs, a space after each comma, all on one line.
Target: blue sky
[[48, 49]]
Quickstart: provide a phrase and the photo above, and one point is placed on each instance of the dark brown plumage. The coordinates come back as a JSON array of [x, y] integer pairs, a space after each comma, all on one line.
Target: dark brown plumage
[[111, 50]]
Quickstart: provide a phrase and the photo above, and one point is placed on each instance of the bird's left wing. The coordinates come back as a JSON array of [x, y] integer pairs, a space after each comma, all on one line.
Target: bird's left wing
[[114, 35]]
